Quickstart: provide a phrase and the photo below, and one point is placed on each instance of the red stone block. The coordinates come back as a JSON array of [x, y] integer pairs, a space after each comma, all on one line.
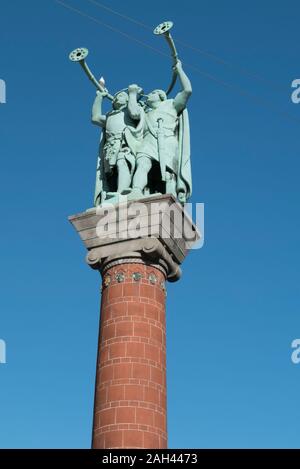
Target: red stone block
[[135, 349], [152, 352], [115, 393], [99, 440], [131, 289], [152, 312], [104, 355], [113, 439], [147, 291], [125, 415], [144, 416], [141, 329], [151, 395], [117, 350], [136, 309], [156, 334], [163, 399], [123, 370], [115, 291], [124, 328], [106, 417], [162, 358], [140, 371], [134, 392], [156, 375], [159, 295], [151, 441], [108, 332], [102, 395], [118, 309], [160, 421], [133, 439], [106, 373]]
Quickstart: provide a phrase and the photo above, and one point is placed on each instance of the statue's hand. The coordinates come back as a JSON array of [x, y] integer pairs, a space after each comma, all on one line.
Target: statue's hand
[[102, 93], [134, 89], [178, 66]]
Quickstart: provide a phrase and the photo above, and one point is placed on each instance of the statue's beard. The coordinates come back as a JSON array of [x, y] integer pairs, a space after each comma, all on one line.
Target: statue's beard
[[119, 106]]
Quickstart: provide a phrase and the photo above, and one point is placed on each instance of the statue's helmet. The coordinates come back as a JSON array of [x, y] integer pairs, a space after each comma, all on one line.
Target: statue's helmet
[[156, 95], [120, 99]]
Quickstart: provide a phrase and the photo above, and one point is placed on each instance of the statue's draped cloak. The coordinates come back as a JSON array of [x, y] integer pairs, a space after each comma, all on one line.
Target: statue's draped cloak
[[184, 175]]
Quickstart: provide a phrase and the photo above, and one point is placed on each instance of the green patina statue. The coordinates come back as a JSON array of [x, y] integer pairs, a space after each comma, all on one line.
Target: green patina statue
[[145, 143]]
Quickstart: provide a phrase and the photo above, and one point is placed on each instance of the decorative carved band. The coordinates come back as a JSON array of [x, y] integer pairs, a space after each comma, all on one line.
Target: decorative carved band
[[132, 260]]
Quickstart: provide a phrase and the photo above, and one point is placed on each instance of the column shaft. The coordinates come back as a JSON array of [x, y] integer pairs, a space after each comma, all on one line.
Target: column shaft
[[130, 397]]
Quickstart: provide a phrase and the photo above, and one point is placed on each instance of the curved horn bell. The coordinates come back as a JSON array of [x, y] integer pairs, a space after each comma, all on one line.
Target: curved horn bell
[[164, 29], [79, 55]]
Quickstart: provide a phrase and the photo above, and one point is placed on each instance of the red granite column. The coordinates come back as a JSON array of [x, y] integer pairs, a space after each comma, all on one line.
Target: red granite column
[[130, 396]]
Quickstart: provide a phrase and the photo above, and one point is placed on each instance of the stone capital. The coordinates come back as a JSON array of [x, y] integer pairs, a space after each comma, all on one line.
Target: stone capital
[[156, 231]]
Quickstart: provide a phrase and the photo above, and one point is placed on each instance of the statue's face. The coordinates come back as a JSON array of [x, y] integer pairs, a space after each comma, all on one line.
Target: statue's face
[[154, 97], [120, 100]]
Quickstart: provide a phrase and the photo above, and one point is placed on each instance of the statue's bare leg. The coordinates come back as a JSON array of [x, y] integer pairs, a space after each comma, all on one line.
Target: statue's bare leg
[[124, 177], [140, 178]]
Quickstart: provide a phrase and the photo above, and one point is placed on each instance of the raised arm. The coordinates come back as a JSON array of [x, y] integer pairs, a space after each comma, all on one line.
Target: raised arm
[[182, 97], [98, 118], [134, 108]]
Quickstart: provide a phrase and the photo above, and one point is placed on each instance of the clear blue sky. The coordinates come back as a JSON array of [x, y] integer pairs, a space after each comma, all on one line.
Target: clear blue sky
[[233, 315]]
